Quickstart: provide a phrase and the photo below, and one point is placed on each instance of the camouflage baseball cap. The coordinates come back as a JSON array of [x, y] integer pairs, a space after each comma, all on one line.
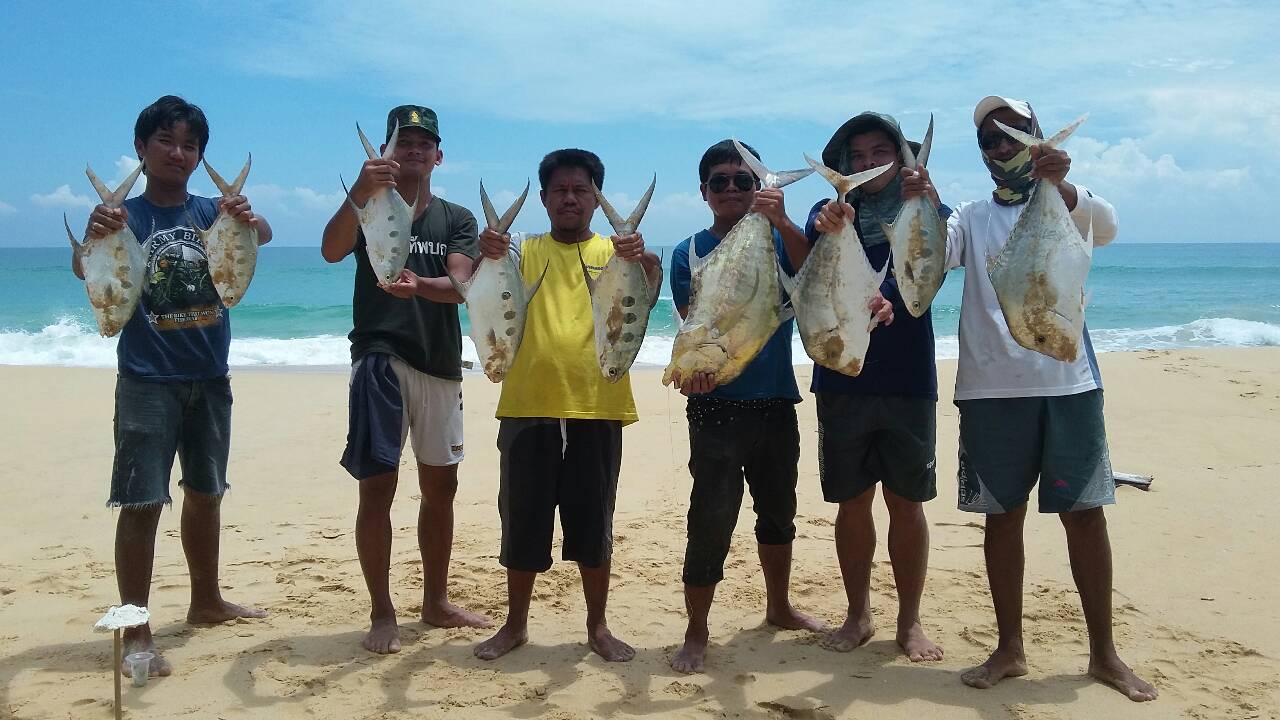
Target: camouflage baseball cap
[[413, 116]]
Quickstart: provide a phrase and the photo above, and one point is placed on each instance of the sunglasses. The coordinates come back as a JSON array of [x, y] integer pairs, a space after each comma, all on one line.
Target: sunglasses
[[744, 181], [991, 140]]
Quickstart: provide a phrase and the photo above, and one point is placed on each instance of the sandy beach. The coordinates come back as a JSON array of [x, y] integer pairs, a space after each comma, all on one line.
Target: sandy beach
[[1194, 572]]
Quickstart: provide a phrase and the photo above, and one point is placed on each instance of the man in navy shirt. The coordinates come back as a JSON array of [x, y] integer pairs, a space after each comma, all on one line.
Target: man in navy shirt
[[173, 395], [745, 429], [878, 427]]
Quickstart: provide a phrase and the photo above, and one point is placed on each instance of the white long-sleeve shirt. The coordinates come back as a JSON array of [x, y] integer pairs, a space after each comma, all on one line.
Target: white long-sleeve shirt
[[992, 364]]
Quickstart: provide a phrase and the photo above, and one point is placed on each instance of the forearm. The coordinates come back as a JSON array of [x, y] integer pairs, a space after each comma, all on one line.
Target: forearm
[[794, 243], [339, 237], [1069, 194], [438, 289], [264, 230]]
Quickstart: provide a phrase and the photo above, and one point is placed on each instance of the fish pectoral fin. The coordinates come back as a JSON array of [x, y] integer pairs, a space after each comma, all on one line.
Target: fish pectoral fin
[[786, 312], [655, 285], [533, 289], [194, 226], [789, 284]]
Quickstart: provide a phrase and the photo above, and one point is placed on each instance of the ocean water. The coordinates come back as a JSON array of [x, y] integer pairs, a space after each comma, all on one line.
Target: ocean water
[[298, 310]]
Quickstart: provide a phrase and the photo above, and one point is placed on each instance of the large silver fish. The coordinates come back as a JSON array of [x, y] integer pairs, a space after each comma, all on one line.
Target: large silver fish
[[386, 219], [833, 290], [919, 240], [114, 266], [1040, 272], [231, 244], [621, 297], [497, 298], [736, 304]]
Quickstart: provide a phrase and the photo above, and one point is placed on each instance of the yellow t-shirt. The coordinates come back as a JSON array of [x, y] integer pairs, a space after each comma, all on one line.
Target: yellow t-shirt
[[556, 374]]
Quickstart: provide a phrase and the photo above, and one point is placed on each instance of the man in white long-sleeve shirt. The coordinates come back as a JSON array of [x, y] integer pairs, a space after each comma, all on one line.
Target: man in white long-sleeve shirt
[[1026, 417]]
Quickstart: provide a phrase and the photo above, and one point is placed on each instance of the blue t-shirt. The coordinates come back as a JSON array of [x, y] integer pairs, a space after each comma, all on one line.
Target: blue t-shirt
[[770, 374], [900, 356], [180, 330]]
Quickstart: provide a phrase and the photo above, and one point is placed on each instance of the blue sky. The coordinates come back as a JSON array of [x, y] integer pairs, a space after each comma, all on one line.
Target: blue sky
[[1183, 135]]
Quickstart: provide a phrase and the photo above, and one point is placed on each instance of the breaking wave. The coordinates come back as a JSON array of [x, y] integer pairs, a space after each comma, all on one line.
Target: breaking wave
[[70, 342]]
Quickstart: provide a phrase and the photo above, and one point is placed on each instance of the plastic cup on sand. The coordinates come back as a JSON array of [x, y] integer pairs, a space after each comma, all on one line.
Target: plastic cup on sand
[[140, 667]]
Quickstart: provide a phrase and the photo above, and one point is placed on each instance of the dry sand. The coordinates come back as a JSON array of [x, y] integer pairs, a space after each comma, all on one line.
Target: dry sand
[[1195, 566]]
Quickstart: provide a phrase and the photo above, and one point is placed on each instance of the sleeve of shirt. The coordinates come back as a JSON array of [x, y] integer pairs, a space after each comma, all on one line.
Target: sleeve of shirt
[[810, 232], [517, 243], [957, 237], [462, 234], [1092, 210], [681, 278]]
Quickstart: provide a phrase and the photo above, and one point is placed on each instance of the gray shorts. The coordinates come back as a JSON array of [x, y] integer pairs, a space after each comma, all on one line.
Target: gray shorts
[[156, 420], [865, 439], [1007, 444]]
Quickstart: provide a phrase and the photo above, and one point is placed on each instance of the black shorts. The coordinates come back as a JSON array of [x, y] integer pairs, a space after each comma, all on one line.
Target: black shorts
[[730, 443], [548, 463], [865, 439]]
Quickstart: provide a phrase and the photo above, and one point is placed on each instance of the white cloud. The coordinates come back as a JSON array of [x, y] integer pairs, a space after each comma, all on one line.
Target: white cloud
[[292, 201], [1184, 65], [62, 197], [6, 208], [1125, 165]]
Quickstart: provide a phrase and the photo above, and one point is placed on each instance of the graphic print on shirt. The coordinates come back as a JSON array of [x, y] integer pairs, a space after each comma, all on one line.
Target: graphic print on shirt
[[179, 292]]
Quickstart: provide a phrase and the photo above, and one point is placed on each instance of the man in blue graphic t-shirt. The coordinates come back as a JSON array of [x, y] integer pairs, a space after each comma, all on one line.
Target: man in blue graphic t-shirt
[[173, 395], [743, 430]]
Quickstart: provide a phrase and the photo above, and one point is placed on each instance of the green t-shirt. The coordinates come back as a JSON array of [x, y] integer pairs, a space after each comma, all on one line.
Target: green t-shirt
[[424, 334]]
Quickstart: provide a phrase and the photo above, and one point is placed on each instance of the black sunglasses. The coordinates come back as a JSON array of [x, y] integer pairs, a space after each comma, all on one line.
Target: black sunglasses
[[991, 140], [744, 181]]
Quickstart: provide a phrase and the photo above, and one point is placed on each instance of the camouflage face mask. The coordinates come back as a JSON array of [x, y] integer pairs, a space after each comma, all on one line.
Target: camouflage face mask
[[1012, 177]]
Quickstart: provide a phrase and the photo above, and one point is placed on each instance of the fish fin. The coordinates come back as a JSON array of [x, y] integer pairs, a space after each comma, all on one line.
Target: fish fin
[[753, 163], [103, 193], [195, 226], [925, 145], [655, 290], [1062, 135], [887, 228], [533, 289], [785, 313], [368, 146], [1031, 140], [347, 194], [391, 143], [788, 282], [615, 220], [109, 198], [846, 183], [786, 177], [490, 215], [458, 286], [417, 202], [586, 274], [696, 261], [237, 185], [508, 217], [223, 188], [638, 214], [75, 246]]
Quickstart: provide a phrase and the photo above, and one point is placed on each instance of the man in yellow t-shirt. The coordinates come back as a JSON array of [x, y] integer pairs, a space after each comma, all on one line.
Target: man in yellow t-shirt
[[560, 432]]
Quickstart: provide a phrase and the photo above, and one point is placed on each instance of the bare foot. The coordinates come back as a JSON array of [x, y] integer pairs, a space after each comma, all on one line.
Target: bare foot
[[853, 634], [788, 618], [917, 645], [504, 641], [448, 615], [690, 657], [221, 611], [1115, 673], [139, 639], [383, 637], [604, 644], [1002, 664]]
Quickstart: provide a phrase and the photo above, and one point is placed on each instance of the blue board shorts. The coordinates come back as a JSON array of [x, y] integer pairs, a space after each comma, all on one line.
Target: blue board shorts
[[154, 421], [1008, 444]]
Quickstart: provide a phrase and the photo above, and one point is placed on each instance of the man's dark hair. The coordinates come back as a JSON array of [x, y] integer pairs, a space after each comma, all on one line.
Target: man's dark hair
[[167, 111], [721, 152], [571, 158]]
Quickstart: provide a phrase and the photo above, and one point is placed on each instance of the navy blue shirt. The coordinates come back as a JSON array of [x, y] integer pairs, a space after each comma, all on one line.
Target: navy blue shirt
[[180, 330], [770, 374], [900, 356]]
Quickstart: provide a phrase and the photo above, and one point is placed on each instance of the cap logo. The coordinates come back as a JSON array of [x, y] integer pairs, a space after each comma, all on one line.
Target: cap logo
[[413, 117]]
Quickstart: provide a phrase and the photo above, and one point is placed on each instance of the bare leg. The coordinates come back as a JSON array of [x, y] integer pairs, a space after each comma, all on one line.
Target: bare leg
[[775, 562], [1004, 552], [135, 557], [515, 631], [373, 545], [1090, 549], [201, 527], [435, 541], [909, 555], [855, 547], [595, 589], [693, 653]]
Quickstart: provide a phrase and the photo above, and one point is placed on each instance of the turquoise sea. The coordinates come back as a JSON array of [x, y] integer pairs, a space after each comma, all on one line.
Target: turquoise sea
[[298, 310]]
